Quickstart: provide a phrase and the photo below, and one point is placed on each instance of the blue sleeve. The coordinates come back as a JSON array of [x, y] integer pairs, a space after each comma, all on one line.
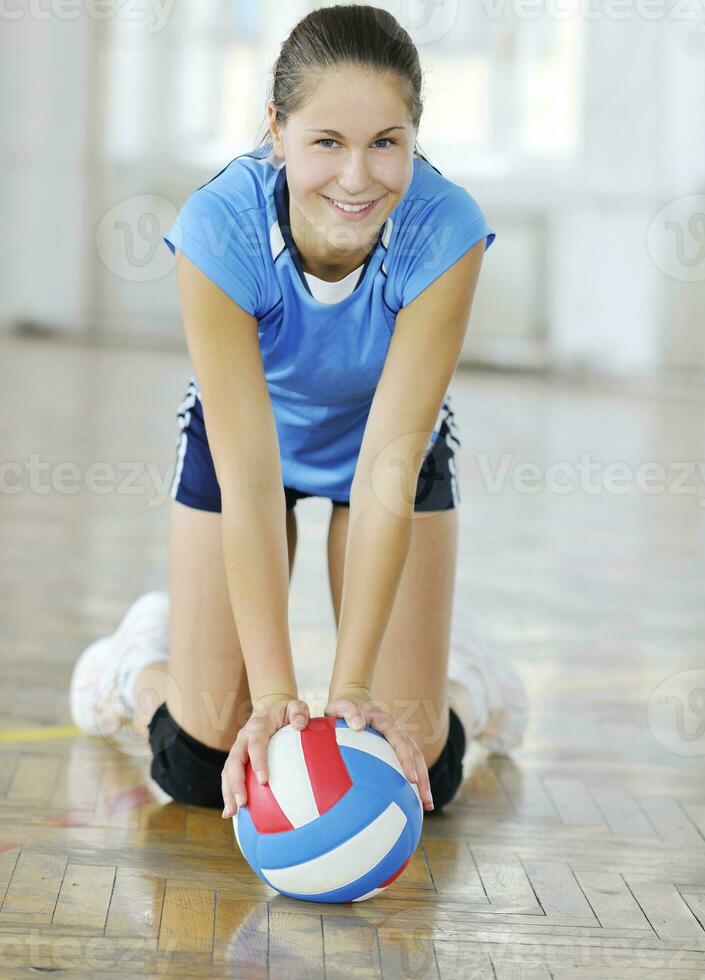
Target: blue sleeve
[[445, 230], [224, 244]]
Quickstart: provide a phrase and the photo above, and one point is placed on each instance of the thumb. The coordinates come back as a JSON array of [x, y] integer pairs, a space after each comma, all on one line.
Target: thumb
[[354, 716], [299, 714]]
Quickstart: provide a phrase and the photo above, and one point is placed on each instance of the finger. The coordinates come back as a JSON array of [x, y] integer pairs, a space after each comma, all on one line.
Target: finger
[[424, 784], [258, 757], [228, 795], [356, 720], [352, 712], [234, 779], [299, 715]]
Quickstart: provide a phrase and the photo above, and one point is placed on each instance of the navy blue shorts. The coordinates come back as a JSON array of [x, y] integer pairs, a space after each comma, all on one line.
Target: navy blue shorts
[[195, 483]]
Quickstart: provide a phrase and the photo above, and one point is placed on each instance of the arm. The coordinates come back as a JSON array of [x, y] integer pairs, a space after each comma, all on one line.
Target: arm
[[422, 358], [223, 344]]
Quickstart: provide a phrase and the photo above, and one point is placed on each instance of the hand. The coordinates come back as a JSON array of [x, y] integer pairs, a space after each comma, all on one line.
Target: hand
[[357, 706], [273, 712]]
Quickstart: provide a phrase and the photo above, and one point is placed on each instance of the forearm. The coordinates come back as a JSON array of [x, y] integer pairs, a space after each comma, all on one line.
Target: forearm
[[257, 570], [377, 547]]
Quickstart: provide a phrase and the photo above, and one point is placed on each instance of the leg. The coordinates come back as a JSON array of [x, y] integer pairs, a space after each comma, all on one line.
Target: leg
[[417, 638], [205, 683]]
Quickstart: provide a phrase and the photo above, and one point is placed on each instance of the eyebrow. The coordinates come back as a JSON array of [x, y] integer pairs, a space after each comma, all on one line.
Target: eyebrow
[[334, 132]]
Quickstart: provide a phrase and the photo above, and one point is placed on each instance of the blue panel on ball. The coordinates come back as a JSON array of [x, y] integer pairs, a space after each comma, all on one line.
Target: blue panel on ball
[[375, 786], [392, 861]]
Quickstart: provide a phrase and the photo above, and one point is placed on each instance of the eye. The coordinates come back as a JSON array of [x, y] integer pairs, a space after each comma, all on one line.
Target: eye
[[382, 139]]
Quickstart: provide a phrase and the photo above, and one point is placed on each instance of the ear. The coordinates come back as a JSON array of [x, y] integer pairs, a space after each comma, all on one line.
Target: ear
[[274, 130]]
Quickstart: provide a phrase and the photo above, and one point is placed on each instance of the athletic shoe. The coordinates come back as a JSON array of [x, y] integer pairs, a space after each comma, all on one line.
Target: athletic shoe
[[497, 691], [100, 696]]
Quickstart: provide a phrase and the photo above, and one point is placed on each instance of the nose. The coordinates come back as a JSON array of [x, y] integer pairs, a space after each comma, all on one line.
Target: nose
[[354, 178]]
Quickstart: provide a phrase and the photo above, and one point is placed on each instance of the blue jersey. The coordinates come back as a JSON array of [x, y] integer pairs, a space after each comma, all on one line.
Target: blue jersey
[[323, 344]]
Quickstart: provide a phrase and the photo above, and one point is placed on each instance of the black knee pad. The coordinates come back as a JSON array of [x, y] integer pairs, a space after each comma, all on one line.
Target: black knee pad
[[446, 773], [188, 770]]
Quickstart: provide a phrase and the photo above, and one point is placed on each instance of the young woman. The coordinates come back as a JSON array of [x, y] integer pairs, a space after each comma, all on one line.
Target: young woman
[[325, 280]]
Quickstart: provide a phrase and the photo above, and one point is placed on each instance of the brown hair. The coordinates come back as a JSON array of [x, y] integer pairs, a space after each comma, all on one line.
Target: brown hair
[[343, 35]]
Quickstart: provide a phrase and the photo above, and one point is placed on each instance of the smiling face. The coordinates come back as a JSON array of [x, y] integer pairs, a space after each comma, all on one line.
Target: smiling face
[[357, 165]]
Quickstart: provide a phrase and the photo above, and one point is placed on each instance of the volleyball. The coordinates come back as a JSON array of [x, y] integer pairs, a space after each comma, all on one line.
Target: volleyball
[[337, 820]]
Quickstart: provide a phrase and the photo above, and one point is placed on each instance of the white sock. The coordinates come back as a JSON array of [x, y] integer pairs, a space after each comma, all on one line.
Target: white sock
[[471, 681], [136, 658]]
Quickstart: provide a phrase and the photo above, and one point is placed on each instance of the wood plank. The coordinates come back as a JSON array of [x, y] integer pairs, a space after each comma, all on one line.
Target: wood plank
[[505, 882], [135, 905], [34, 887], [611, 900], [33, 779], [187, 919], [621, 810], [453, 870], [408, 956], [558, 892], [665, 909], [84, 896], [8, 764], [574, 804], [241, 935], [8, 859], [670, 820], [351, 948], [295, 944]]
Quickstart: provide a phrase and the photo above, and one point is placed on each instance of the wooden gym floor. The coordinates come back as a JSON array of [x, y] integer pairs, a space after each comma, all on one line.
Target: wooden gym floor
[[584, 856]]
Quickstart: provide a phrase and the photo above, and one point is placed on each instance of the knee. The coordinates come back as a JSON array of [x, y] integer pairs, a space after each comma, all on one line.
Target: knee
[[188, 770], [446, 773]]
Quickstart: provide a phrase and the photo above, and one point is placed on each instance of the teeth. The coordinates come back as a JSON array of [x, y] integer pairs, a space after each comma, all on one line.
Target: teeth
[[351, 207]]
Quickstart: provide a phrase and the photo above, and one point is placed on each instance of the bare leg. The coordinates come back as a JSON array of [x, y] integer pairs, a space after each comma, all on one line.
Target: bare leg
[[204, 682]]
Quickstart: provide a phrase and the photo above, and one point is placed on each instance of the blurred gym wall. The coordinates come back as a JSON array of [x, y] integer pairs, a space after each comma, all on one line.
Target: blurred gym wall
[[578, 125]]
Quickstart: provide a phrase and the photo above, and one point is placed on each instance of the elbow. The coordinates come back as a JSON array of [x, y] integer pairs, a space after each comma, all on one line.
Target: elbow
[[394, 497]]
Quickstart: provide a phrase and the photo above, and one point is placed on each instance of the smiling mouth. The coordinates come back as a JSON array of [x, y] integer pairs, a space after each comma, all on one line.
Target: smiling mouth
[[356, 214]]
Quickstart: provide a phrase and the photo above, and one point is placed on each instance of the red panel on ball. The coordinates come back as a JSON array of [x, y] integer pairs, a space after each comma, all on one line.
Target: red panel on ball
[[267, 815], [330, 780]]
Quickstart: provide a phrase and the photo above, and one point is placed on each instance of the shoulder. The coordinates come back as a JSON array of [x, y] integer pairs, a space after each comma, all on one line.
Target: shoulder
[[435, 223], [243, 184], [222, 228], [435, 204]]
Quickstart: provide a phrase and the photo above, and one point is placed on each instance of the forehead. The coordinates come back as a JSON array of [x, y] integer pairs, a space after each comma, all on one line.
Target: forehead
[[353, 101]]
